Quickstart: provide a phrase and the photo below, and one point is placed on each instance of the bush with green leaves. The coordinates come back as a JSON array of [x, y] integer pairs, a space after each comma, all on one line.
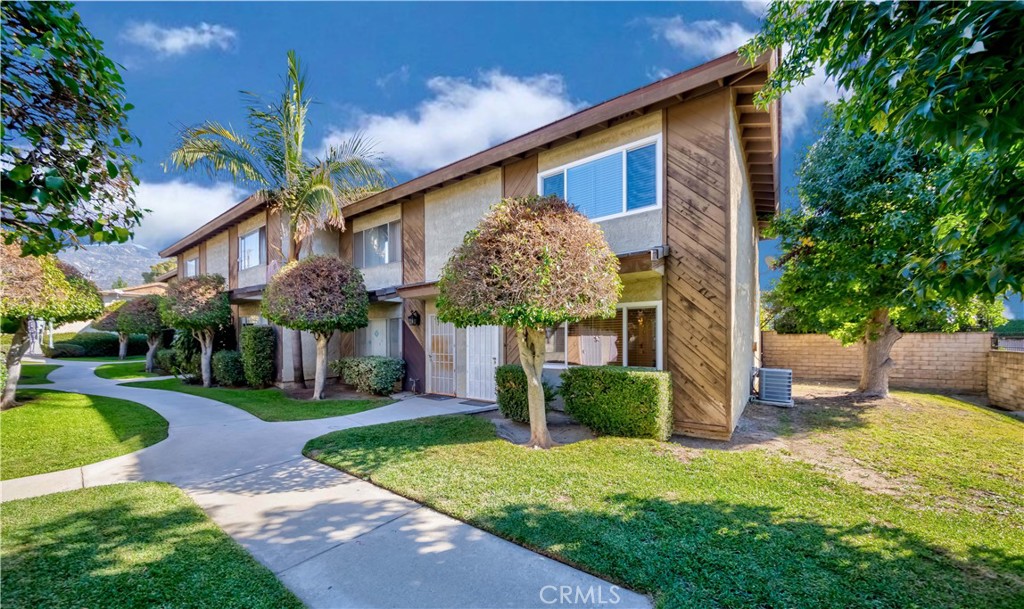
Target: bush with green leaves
[[371, 374], [199, 305], [165, 360], [617, 401], [59, 350], [228, 369], [187, 356], [513, 397], [142, 316], [258, 348], [107, 322], [100, 344]]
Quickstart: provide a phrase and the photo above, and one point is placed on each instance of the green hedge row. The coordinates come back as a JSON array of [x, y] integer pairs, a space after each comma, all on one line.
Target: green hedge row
[[227, 368], [259, 350], [513, 401], [372, 374], [94, 344], [631, 402]]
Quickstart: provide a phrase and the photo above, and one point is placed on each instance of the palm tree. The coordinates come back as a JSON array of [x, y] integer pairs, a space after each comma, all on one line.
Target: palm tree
[[270, 160]]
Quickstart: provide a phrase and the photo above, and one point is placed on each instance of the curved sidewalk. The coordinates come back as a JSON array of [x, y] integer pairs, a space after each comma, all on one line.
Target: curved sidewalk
[[335, 540]]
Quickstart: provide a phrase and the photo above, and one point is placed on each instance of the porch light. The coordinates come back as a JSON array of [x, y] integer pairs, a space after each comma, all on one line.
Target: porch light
[[414, 318]]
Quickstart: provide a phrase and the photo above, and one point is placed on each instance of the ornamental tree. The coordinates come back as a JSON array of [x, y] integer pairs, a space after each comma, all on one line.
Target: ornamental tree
[[321, 295], [142, 316], [107, 322], [39, 288], [531, 263], [200, 306]]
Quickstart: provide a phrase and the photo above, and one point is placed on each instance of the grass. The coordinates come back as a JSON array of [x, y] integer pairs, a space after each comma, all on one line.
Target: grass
[[35, 374], [106, 358], [141, 544], [269, 404], [54, 430], [118, 372], [700, 527]]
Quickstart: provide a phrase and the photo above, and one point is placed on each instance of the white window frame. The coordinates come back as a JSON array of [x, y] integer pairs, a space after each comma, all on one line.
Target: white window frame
[[387, 338], [196, 270], [659, 172], [387, 251], [624, 307], [260, 247]]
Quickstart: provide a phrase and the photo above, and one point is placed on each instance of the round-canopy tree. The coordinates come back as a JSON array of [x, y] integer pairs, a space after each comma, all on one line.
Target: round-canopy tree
[[142, 316], [321, 295], [531, 263], [39, 288], [199, 305], [107, 322]]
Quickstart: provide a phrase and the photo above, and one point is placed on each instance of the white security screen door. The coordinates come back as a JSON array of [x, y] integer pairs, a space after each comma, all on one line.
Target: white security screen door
[[440, 356], [482, 346]]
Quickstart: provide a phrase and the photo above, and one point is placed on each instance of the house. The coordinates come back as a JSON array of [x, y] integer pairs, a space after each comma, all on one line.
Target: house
[[681, 174]]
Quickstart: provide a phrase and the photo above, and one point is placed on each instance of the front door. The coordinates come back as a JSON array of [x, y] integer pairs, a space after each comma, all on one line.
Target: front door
[[482, 346], [440, 356]]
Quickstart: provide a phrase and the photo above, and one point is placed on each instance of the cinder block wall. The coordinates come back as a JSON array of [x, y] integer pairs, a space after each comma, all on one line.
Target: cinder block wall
[[1006, 379], [954, 362]]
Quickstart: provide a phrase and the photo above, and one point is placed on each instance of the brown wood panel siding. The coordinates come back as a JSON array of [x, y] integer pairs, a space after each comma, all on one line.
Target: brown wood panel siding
[[202, 258], [233, 257], [275, 249], [511, 347], [413, 340], [519, 179], [414, 271], [345, 245], [413, 241], [697, 341]]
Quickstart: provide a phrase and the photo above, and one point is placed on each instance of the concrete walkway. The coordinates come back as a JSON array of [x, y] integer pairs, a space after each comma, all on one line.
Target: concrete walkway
[[333, 539]]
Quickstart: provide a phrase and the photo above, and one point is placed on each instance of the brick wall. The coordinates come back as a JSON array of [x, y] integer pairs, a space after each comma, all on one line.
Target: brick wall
[[1006, 379], [955, 362]]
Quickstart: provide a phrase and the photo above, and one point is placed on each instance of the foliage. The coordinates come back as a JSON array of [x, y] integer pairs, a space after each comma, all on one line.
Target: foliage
[[66, 167], [944, 76], [318, 294], [119, 283], [107, 321], [96, 344], [259, 352], [513, 402], [44, 288], [779, 316], [141, 316], [531, 262], [158, 269], [166, 360], [187, 358], [196, 304], [371, 374], [228, 369], [59, 350], [618, 401], [1014, 327]]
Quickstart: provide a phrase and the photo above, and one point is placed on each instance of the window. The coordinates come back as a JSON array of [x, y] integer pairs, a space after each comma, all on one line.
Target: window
[[380, 337], [378, 245], [599, 342], [613, 183], [192, 267], [252, 248]]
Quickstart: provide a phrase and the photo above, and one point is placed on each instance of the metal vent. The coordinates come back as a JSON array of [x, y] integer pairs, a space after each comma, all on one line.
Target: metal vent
[[776, 386]]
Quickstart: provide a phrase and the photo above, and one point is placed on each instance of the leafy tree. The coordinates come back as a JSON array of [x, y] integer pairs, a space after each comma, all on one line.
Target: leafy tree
[[199, 305], [158, 269], [946, 77], [271, 161], [66, 166], [39, 288], [107, 322], [119, 283], [321, 295], [142, 316], [530, 264]]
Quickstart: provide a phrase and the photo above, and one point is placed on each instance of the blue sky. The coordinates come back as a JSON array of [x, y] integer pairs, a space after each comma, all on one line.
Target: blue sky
[[430, 83]]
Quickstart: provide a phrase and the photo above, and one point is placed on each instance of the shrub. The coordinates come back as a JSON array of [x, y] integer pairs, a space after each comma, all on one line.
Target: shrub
[[373, 374], [512, 396], [227, 368], [187, 358], [64, 350], [165, 360], [259, 346], [631, 402], [99, 344]]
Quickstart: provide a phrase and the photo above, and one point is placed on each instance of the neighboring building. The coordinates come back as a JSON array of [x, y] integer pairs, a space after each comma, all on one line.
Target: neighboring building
[[680, 174], [158, 288]]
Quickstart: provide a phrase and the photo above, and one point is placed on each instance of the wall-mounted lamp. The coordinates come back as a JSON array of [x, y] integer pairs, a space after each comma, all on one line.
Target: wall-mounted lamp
[[414, 318]]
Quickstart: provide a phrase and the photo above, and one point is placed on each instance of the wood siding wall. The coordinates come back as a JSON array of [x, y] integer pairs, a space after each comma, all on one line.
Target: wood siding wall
[[233, 257], [414, 271], [202, 258], [697, 271], [519, 179]]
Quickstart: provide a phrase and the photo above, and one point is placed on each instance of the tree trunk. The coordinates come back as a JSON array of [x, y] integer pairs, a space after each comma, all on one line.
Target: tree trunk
[[153, 340], [878, 340], [122, 346], [19, 345], [298, 366], [321, 366], [531, 356], [205, 338]]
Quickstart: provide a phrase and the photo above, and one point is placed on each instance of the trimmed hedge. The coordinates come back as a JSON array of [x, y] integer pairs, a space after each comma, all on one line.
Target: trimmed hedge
[[64, 350], [630, 402], [165, 360], [227, 368], [97, 344], [513, 399], [372, 374], [259, 349]]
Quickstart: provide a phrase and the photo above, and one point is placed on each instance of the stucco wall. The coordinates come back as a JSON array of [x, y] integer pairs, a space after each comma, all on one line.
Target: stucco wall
[[634, 232], [256, 275], [217, 255], [743, 257], [452, 211], [642, 287], [1006, 379], [192, 252], [385, 275]]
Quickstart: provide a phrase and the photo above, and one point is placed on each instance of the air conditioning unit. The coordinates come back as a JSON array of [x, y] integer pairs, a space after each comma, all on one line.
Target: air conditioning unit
[[776, 387]]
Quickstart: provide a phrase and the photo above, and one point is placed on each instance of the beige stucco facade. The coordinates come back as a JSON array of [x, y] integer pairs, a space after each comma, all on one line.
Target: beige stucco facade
[[254, 275], [452, 211]]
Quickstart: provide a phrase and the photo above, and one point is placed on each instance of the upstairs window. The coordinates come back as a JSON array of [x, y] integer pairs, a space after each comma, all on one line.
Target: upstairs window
[[192, 267], [377, 246], [252, 248], [614, 183]]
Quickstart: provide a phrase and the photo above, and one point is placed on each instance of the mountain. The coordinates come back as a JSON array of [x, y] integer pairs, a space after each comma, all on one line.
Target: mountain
[[105, 263]]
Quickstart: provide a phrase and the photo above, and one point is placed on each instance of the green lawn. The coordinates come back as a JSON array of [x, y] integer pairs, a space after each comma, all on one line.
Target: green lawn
[[54, 430], [751, 527], [269, 404], [142, 544], [133, 370], [35, 374]]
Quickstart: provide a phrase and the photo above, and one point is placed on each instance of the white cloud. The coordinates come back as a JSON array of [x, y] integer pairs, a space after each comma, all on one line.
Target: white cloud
[[705, 39], [399, 76], [461, 117], [177, 208], [806, 101], [756, 7], [168, 41]]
